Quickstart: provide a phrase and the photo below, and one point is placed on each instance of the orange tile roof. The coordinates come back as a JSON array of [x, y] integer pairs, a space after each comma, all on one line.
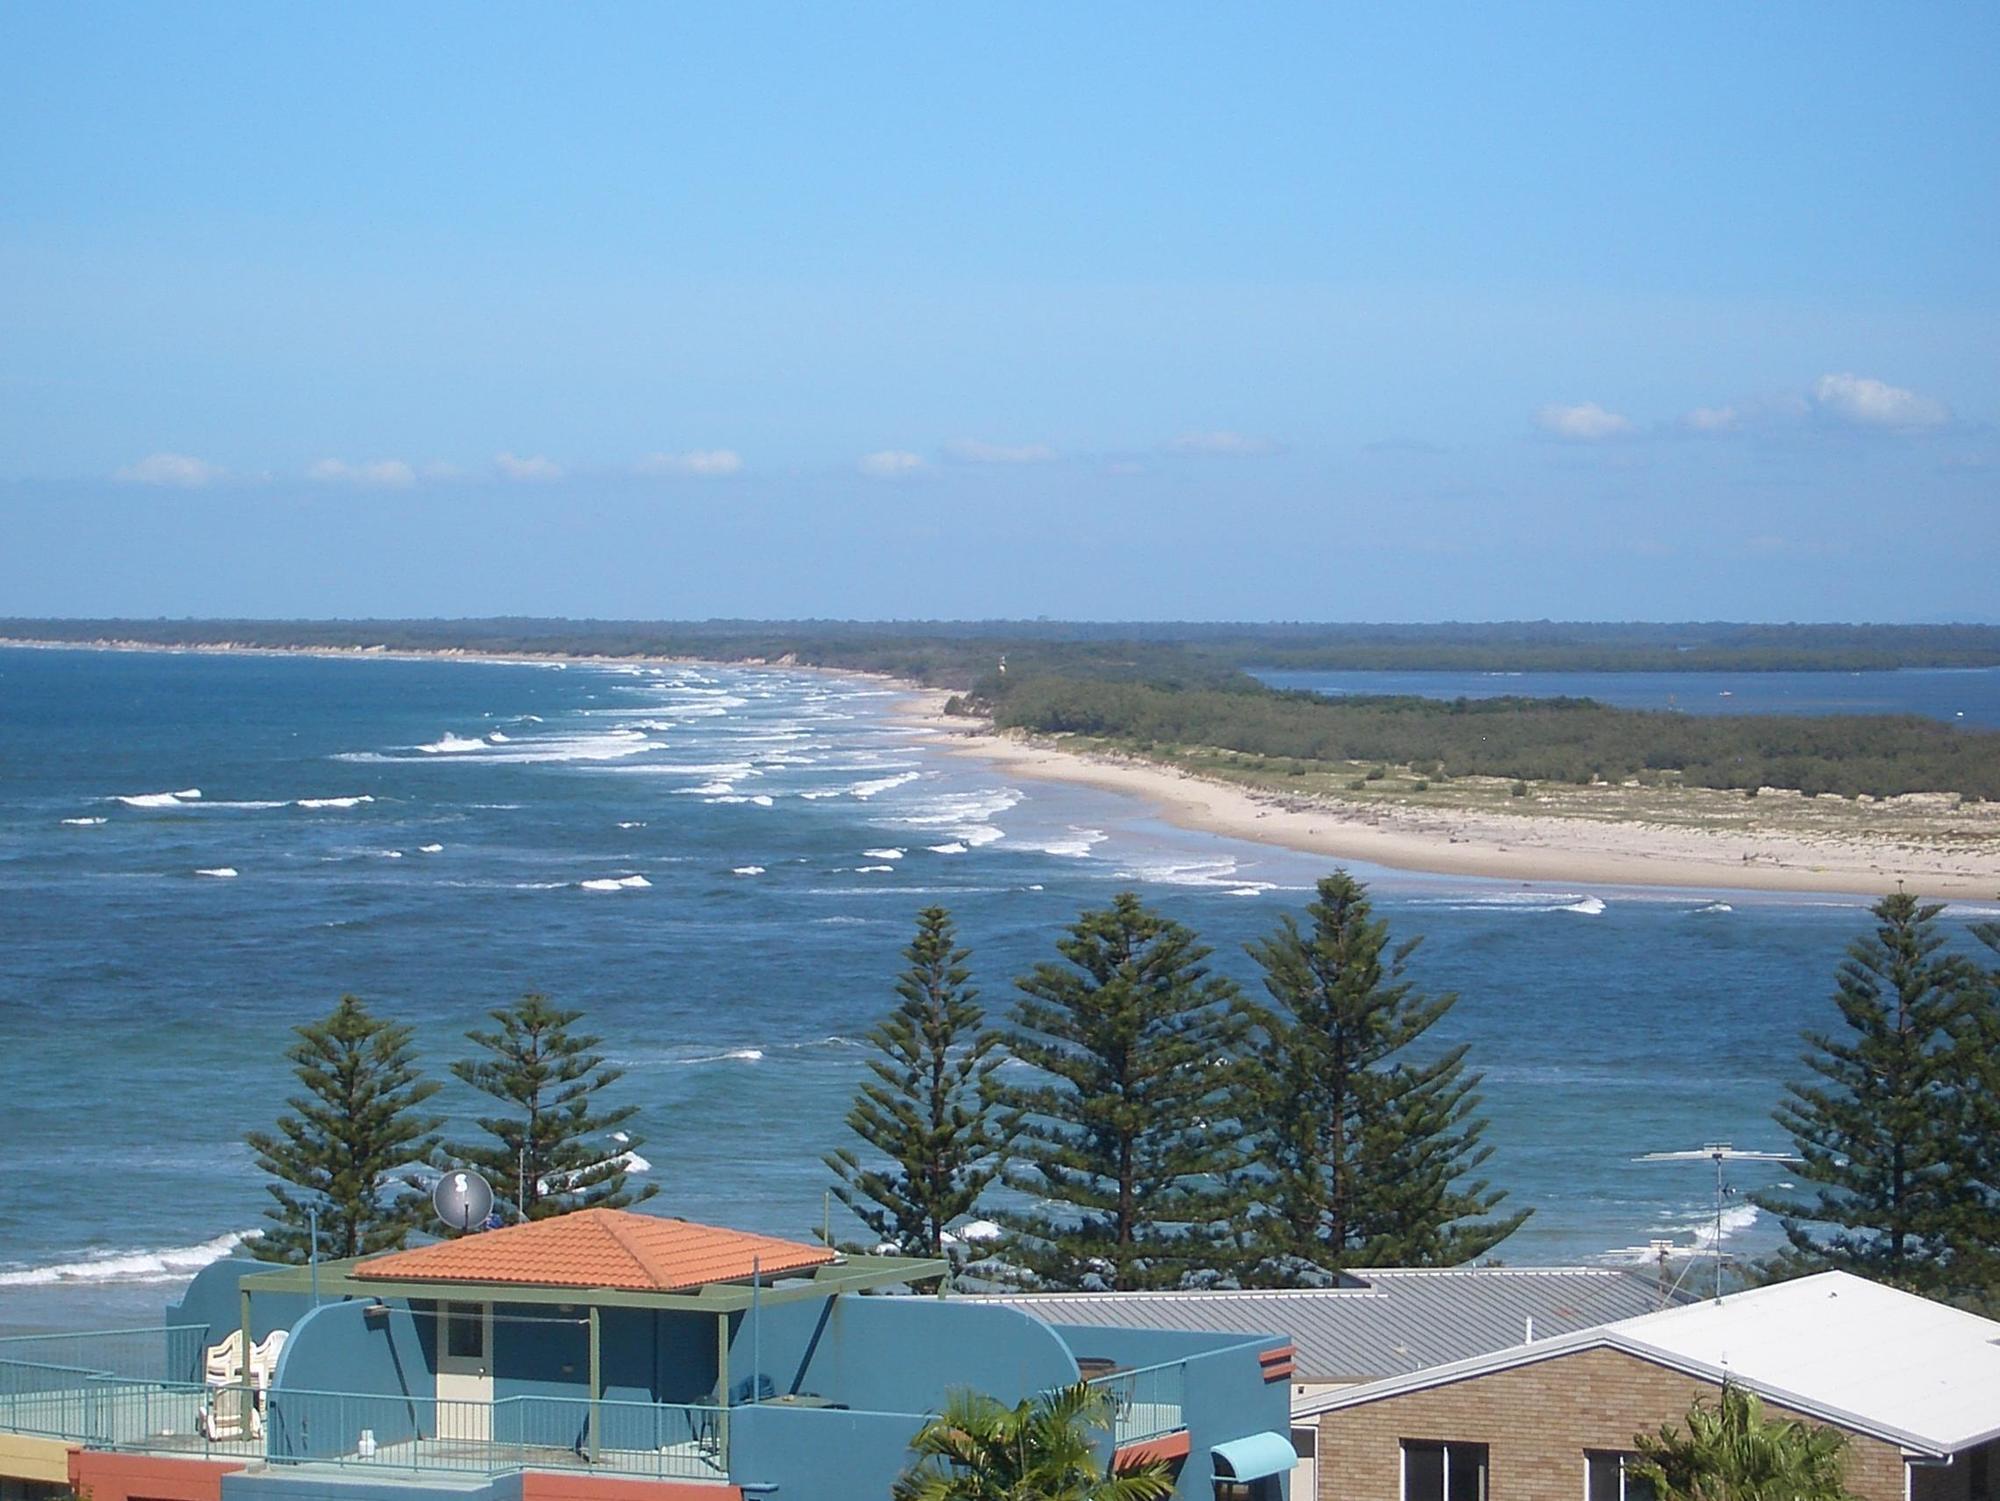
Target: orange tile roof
[[603, 1248]]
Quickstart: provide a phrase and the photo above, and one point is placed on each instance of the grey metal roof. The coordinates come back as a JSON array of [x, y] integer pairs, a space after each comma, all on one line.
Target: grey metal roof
[[1378, 1323]]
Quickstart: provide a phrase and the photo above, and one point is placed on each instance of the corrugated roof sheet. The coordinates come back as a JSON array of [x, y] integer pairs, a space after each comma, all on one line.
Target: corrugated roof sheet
[[1395, 1322], [600, 1248]]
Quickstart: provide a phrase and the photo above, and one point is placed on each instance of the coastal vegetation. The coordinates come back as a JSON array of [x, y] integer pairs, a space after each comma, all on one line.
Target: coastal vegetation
[[1541, 740], [927, 1113], [551, 1149], [955, 653], [337, 1160]]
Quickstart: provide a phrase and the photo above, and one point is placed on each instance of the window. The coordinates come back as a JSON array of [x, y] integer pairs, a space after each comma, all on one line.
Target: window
[[1607, 1476], [465, 1331], [1443, 1472]]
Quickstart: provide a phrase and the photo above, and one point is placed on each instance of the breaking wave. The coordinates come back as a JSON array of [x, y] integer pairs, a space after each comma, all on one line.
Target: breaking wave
[[173, 1264]]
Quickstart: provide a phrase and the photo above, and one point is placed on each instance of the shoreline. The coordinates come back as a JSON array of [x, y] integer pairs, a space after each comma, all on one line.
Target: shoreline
[[1442, 841], [1527, 848]]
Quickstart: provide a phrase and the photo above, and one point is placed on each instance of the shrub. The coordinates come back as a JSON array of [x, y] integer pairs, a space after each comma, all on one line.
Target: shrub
[[1519, 789], [1376, 773]]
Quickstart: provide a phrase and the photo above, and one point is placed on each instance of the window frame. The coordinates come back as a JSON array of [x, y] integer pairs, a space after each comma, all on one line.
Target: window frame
[[1445, 1447]]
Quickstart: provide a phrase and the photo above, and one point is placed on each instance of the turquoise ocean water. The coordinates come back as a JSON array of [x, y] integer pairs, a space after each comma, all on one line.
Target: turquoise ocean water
[[721, 866]]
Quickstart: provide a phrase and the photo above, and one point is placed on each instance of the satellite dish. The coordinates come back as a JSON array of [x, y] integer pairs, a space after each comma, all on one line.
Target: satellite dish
[[462, 1199]]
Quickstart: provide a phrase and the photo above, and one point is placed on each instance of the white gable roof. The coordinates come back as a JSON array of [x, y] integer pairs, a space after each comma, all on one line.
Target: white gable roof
[[1838, 1347]]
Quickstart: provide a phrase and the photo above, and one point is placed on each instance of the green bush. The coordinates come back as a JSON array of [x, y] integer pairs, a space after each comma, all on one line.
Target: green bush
[[1519, 789], [1376, 773]]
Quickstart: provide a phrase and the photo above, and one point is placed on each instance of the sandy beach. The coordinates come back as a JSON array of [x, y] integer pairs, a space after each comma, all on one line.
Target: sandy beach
[[1929, 844], [1763, 856]]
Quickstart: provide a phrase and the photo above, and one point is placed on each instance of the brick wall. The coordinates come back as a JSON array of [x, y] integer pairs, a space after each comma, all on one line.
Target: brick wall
[[1537, 1421]]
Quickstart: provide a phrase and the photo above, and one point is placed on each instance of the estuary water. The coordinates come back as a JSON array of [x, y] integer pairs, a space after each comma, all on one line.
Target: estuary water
[[1967, 696], [720, 866]]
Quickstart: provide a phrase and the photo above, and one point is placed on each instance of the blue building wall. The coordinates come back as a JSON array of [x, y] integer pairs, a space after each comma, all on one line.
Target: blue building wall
[[1227, 1397], [211, 1303], [382, 1368], [644, 1356], [898, 1354], [818, 1454]]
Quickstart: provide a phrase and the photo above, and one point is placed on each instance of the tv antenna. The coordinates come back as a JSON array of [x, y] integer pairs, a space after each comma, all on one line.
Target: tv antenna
[[462, 1199], [1720, 1153]]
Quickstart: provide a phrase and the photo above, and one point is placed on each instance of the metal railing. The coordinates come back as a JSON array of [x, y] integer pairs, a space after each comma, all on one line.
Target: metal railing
[[656, 1440], [77, 1404], [171, 1352], [1146, 1402]]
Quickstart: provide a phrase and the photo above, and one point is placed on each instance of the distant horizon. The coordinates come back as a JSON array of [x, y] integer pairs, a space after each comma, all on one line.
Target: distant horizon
[[1034, 621]]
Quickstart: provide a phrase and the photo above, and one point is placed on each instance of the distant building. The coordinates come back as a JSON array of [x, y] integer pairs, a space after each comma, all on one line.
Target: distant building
[[1373, 1324], [598, 1356], [1914, 1384]]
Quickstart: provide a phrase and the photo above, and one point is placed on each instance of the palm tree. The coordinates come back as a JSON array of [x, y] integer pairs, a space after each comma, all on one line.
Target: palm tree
[[980, 1449], [1733, 1452]]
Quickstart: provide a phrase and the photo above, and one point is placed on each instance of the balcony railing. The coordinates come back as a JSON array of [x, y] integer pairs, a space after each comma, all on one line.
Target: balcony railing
[[127, 1390], [1146, 1403]]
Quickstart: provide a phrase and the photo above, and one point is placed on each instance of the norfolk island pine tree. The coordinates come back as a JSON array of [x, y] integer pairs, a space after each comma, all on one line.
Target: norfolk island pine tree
[[552, 1151], [929, 1109], [337, 1154]]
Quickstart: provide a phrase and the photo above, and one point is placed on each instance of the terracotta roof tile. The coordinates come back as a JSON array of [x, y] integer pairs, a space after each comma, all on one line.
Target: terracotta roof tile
[[604, 1248]]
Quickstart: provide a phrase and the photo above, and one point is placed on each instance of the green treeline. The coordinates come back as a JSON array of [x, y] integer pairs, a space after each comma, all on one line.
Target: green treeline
[[1533, 739], [1135, 1119], [955, 653]]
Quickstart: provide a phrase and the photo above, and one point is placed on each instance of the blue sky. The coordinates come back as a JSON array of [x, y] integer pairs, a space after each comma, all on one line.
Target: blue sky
[[1306, 312]]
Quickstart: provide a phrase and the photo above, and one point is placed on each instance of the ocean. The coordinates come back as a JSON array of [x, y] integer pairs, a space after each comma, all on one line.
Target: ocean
[[720, 866]]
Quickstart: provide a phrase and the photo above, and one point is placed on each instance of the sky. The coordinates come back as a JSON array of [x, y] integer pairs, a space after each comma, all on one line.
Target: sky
[[1150, 311]]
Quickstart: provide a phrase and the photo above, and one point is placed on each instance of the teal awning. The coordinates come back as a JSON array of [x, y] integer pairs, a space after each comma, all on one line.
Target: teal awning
[[1254, 1457]]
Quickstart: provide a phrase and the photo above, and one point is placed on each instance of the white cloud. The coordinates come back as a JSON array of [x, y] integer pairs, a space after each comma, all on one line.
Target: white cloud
[[1586, 422], [890, 463], [180, 470], [1861, 402], [1219, 442], [380, 474], [532, 468], [703, 461], [972, 451], [1713, 420]]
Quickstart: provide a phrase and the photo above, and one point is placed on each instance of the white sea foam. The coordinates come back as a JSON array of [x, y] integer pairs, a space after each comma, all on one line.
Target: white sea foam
[[430, 849], [617, 883], [316, 803], [869, 870], [868, 789], [1076, 844], [161, 799], [392, 854], [451, 745], [954, 848], [632, 823], [219, 872], [172, 1264], [747, 870], [883, 854], [494, 737], [1713, 909], [709, 789], [762, 800], [83, 823], [1589, 906]]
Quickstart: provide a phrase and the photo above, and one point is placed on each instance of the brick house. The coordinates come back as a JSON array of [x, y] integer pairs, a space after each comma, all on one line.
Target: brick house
[[1915, 1386]]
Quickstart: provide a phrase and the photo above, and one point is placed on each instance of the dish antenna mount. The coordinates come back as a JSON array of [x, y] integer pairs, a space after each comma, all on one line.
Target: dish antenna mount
[[1719, 1152], [462, 1199]]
